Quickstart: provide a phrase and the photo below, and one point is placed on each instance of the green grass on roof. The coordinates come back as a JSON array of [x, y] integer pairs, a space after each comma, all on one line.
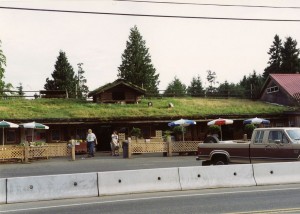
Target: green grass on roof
[[183, 107]]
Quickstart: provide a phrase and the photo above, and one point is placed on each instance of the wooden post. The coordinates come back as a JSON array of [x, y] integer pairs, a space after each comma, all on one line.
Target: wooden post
[[129, 147], [170, 146], [26, 152], [73, 143]]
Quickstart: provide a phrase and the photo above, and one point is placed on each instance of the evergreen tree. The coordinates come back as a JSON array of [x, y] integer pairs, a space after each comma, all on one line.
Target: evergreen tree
[[196, 88], [275, 60], [136, 64], [82, 88], [20, 90], [290, 56], [252, 85], [63, 76], [176, 88]]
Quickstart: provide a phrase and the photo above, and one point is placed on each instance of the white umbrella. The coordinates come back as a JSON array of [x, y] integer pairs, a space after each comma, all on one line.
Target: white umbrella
[[34, 125], [5, 124], [182, 123], [220, 122]]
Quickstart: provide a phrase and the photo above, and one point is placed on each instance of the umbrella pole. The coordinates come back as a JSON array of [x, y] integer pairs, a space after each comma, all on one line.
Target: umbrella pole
[[3, 137], [182, 133], [221, 132], [32, 134]]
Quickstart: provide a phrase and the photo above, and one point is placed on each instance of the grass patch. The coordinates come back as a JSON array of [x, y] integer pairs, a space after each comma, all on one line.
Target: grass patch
[[183, 107]]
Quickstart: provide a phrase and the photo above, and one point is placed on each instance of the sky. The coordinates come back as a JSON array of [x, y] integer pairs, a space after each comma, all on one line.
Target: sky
[[179, 47]]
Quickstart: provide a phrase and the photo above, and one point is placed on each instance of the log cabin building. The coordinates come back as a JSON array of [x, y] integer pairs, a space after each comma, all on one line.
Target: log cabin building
[[119, 91]]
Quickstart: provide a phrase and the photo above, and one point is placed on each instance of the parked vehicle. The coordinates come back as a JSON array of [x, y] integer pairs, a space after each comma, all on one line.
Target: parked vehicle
[[266, 145]]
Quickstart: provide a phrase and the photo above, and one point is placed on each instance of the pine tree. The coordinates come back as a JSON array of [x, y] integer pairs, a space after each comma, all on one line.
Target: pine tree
[[196, 88], [176, 88], [20, 90], [63, 76], [275, 60], [290, 56], [136, 64]]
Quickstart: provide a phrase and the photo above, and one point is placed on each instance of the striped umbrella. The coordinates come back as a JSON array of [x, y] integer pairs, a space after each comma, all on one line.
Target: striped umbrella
[[220, 122], [33, 125], [182, 123], [256, 121], [5, 124]]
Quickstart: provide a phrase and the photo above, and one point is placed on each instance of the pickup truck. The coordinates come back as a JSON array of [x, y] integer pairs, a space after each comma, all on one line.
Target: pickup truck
[[266, 145]]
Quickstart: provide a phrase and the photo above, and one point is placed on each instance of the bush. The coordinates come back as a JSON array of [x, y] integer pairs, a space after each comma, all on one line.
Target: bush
[[249, 129], [214, 129]]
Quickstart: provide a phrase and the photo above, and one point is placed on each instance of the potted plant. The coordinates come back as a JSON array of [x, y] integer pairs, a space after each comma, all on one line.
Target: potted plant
[[214, 130], [178, 131], [249, 129], [136, 132]]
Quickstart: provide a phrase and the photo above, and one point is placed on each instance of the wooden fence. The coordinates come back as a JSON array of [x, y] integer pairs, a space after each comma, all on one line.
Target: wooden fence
[[24, 153], [142, 146]]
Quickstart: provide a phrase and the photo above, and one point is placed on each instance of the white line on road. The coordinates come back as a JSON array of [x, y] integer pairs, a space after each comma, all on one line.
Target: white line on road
[[148, 198]]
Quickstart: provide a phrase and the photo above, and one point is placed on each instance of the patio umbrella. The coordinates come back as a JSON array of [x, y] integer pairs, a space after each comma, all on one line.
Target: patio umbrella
[[5, 124], [220, 122], [256, 121], [182, 123], [34, 125]]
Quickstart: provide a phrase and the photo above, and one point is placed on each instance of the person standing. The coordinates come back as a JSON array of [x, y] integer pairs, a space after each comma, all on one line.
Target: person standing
[[91, 141], [114, 144]]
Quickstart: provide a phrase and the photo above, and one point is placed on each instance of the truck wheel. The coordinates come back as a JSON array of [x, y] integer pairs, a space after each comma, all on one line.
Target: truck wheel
[[220, 161], [211, 139], [206, 163]]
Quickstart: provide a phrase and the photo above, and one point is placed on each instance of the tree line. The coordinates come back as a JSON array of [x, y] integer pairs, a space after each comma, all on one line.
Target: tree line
[[136, 67]]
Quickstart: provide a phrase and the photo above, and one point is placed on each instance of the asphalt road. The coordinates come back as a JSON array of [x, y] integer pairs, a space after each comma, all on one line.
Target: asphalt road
[[101, 162], [263, 199]]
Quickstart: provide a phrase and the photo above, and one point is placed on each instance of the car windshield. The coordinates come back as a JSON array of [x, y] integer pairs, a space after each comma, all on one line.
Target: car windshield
[[294, 134]]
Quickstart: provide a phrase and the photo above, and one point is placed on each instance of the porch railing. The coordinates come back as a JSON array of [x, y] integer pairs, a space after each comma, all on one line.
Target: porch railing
[[142, 146], [30, 152]]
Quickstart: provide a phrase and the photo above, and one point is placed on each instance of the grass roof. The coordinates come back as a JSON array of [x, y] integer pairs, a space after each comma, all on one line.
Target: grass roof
[[14, 109]]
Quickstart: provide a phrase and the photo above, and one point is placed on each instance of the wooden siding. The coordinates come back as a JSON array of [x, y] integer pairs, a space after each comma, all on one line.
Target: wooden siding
[[122, 93], [279, 97]]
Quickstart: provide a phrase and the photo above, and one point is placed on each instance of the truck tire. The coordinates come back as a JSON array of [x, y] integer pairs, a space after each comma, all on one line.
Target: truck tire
[[206, 163], [220, 160], [211, 139]]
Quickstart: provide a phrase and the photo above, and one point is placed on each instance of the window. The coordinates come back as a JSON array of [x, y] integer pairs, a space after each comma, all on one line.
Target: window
[[275, 136], [272, 89], [118, 95], [55, 134], [259, 137]]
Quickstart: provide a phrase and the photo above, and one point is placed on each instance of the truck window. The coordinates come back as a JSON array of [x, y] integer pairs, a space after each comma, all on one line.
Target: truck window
[[275, 136], [259, 137], [294, 135]]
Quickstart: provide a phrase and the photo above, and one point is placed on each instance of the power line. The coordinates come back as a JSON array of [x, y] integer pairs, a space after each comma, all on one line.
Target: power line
[[206, 4], [150, 15]]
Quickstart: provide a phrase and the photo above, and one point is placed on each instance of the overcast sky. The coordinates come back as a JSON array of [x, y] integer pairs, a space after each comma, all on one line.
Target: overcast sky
[[185, 48]]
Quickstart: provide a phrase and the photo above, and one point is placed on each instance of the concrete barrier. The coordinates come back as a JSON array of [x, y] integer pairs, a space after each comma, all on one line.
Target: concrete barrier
[[2, 190], [203, 177], [277, 173], [137, 181], [23, 189]]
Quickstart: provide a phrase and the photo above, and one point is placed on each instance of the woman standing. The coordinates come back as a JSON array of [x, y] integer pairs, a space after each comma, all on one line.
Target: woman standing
[[114, 144]]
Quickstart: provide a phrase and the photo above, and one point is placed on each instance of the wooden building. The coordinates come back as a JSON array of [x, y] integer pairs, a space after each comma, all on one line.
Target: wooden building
[[119, 91], [283, 89]]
